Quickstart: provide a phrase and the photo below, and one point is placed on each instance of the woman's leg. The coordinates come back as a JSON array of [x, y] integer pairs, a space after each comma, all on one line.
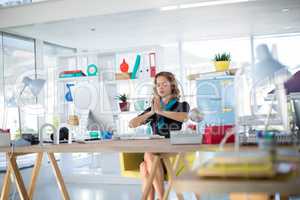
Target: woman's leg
[[144, 175], [158, 181]]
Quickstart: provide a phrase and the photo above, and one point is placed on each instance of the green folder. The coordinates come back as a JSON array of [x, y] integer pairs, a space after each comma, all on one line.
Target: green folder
[[136, 66]]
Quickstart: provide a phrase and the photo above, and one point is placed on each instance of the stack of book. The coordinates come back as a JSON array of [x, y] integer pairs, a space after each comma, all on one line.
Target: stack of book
[[239, 164], [71, 74]]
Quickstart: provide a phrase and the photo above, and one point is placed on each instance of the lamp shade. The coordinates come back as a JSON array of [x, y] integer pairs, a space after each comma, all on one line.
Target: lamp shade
[[266, 67], [35, 85]]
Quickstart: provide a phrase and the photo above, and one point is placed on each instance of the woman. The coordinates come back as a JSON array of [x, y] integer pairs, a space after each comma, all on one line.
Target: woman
[[165, 114]]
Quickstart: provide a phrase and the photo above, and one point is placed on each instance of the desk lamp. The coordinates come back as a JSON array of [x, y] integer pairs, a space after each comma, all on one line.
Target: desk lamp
[[35, 86], [269, 71]]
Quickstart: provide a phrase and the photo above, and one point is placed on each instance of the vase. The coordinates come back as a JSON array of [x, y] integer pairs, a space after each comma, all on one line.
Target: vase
[[124, 106], [221, 66]]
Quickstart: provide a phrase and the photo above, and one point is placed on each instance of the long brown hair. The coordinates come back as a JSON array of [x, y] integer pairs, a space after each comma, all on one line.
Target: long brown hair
[[175, 92]]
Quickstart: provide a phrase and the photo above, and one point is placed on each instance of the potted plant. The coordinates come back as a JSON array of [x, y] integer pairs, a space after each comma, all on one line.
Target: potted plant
[[222, 61], [124, 104]]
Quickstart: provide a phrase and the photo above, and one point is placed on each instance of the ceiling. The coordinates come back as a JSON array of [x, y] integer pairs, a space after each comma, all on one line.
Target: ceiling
[[153, 26]]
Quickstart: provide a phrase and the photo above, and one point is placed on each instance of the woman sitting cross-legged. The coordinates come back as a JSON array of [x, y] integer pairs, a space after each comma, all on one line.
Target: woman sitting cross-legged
[[165, 114]]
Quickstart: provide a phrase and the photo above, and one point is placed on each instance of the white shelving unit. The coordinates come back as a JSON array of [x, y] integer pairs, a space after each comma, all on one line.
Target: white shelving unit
[[105, 85], [107, 108]]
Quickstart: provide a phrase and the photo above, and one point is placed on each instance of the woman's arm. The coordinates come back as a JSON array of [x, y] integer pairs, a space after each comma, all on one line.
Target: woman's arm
[[139, 120], [177, 116]]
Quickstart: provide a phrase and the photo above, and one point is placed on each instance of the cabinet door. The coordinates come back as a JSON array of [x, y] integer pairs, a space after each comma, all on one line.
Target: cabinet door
[[208, 96], [215, 99]]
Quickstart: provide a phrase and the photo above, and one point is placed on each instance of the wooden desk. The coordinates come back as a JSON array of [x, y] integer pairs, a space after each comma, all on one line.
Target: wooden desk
[[161, 147], [191, 183]]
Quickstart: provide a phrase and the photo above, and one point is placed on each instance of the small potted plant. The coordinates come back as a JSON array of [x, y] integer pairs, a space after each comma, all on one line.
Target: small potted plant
[[124, 104], [222, 61]]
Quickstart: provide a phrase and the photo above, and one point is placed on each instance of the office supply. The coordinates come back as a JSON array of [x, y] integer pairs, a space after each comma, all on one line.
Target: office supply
[[238, 164], [251, 138], [182, 137], [71, 74], [136, 66], [144, 68], [152, 64]]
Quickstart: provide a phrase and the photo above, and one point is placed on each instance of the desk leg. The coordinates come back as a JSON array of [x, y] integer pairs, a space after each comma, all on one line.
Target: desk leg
[[19, 181], [172, 174], [35, 173], [58, 176], [6, 184], [151, 177]]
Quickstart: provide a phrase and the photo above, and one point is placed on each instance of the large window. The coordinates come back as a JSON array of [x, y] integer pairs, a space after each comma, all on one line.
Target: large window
[[2, 111], [19, 61], [285, 48], [197, 57], [50, 63]]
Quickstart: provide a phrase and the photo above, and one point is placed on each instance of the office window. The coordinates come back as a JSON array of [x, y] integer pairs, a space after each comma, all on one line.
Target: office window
[[50, 63], [171, 62], [19, 61], [198, 58], [171, 59], [2, 110], [285, 48]]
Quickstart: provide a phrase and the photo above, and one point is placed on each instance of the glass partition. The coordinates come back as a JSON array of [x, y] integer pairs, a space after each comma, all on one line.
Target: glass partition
[[19, 61], [284, 47]]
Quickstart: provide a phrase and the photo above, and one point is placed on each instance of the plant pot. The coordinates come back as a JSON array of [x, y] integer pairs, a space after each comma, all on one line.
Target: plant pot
[[124, 106], [221, 66]]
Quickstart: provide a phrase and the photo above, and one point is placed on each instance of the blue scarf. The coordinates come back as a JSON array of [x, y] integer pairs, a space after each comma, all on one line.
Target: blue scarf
[[165, 107]]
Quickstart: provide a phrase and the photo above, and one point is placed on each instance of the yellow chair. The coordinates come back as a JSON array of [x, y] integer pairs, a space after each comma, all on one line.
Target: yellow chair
[[130, 164]]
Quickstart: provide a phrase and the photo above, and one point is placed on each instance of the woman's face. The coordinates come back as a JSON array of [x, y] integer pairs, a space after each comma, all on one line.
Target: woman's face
[[163, 86]]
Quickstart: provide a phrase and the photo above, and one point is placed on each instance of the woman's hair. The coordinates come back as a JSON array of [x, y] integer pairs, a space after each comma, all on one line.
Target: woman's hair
[[174, 85]]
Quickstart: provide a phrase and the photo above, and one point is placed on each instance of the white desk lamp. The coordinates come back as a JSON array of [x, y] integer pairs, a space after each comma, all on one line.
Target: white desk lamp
[[35, 86], [269, 70]]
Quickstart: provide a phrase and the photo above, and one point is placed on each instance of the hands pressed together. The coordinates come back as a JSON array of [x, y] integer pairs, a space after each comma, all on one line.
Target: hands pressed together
[[155, 107]]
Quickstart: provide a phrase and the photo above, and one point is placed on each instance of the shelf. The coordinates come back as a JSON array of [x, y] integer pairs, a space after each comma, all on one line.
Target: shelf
[[79, 78], [193, 77]]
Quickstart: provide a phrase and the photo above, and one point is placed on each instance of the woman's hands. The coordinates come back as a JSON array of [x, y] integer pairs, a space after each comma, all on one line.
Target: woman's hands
[[156, 108]]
